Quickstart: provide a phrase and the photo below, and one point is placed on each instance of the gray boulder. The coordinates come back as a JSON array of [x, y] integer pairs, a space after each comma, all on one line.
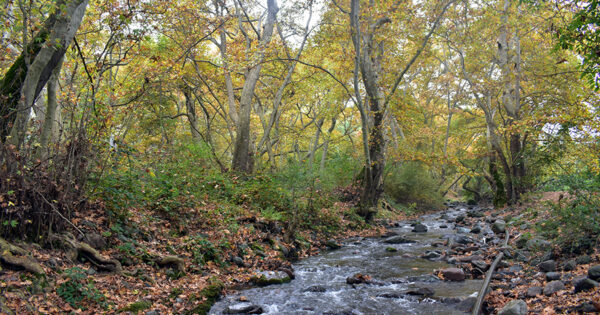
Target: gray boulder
[[420, 228], [553, 287], [584, 284], [547, 266], [514, 307], [398, 240], [533, 292], [594, 272], [453, 274], [499, 226]]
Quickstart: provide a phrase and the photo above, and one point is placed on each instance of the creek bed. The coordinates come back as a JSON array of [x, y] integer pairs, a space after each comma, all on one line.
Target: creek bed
[[392, 272]]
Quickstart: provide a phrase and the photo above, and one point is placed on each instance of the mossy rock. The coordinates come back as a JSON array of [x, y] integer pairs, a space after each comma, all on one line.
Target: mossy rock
[[212, 293], [265, 278], [391, 249]]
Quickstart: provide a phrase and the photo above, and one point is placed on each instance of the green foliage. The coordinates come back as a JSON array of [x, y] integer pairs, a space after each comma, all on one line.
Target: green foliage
[[137, 307], [575, 219], [411, 182], [78, 289], [582, 35], [202, 250]]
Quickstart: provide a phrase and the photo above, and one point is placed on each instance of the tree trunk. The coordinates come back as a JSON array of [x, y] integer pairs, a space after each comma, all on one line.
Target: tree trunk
[[241, 152], [22, 83], [52, 113]]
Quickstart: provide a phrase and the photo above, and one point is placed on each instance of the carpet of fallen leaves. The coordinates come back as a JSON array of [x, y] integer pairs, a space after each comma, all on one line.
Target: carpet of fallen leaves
[[562, 302], [157, 236]]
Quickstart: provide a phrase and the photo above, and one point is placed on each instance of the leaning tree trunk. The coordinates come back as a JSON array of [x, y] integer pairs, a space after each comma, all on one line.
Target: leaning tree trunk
[[29, 73]]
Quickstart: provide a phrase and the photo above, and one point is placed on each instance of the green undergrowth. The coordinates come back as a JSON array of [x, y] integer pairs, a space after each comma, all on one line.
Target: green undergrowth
[[173, 183]]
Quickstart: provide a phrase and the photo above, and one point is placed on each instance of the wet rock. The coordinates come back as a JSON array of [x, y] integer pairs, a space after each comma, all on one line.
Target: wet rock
[[475, 214], [467, 304], [547, 266], [584, 284], [569, 265], [462, 229], [432, 255], [423, 278], [390, 295], [459, 219], [332, 244], [316, 289], [450, 300], [476, 229], [514, 307], [553, 287], [453, 274], [458, 238], [443, 226], [551, 276], [243, 308], [537, 244], [420, 228], [265, 278], [582, 260], [358, 279], [398, 240], [425, 292], [499, 226], [594, 272], [391, 249], [534, 291]]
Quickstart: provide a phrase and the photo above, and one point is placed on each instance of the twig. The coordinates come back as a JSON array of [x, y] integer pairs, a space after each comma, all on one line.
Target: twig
[[60, 214], [488, 279]]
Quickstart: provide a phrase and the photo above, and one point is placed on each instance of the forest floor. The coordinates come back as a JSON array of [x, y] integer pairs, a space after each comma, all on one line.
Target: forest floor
[[540, 273], [218, 254]]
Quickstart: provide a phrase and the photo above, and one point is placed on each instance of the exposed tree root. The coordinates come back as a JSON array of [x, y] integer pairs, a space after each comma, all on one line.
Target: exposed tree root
[[15, 256], [76, 249]]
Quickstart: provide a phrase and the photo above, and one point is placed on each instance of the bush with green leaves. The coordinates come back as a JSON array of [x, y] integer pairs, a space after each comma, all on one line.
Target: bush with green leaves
[[575, 219], [411, 182], [78, 289]]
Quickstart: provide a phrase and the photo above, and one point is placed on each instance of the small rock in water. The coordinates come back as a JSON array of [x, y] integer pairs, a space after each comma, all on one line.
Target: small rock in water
[[476, 229], [359, 278], [553, 287], [420, 228], [389, 295], [453, 274], [332, 244], [426, 292], [391, 249], [431, 255], [243, 308], [467, 304], [315, 288], [265, 278], [514, 307], [398, 240]]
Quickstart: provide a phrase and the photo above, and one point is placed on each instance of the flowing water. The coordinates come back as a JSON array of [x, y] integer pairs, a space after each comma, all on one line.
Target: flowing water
[[392, 273]]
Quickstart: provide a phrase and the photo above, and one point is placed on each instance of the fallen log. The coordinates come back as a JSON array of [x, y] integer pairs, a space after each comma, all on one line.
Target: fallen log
[[488, 279]]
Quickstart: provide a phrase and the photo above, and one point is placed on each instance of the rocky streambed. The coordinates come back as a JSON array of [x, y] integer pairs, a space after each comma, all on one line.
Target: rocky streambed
[[420, 267]]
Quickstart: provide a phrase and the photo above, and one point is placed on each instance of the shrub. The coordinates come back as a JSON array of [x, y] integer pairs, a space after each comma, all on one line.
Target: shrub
[[575, 219], [411, 182]]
